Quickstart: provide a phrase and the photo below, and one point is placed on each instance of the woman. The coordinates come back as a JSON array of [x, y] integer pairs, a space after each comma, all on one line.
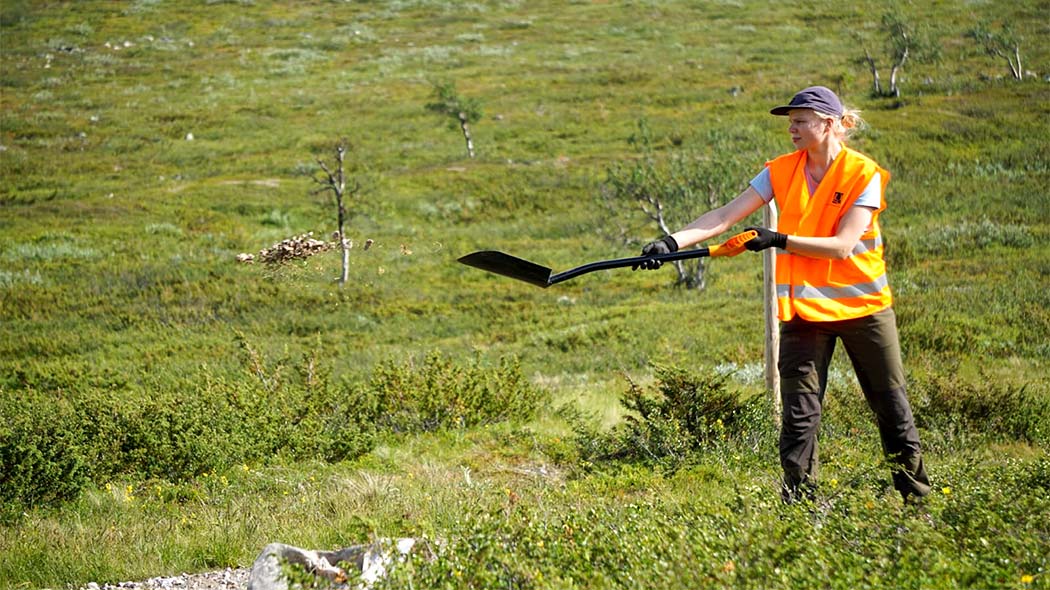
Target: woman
[[831, 284]]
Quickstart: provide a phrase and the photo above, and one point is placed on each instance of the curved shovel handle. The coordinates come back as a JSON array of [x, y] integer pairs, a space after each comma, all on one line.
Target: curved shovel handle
[[730, 247]]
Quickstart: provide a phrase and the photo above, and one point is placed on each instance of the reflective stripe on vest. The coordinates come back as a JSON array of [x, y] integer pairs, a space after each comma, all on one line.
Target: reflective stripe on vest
[[826, 289], [855, 290], [866, 245]]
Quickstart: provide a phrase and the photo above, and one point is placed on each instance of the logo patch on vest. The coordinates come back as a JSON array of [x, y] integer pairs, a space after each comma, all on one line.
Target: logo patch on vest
[[837, 199]]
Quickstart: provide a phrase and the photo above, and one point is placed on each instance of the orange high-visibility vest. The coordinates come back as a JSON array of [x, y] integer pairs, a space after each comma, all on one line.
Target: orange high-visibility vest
[[821, 290]]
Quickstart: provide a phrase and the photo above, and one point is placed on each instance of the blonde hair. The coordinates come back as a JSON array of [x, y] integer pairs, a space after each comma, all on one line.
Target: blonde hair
[[845, 126]]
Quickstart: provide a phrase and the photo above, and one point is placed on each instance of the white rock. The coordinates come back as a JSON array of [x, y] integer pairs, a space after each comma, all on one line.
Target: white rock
[[373, 559]]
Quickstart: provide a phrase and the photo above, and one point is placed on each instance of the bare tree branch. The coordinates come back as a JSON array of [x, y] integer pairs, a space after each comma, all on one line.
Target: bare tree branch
[[894, 89], [335, 181], [874, 72]]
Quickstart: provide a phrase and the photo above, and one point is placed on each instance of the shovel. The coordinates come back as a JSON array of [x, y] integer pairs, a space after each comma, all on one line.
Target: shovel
[[541, 276]]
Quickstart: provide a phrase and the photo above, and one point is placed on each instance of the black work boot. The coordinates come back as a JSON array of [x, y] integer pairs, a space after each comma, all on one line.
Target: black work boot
[[909, 477], [795, 489]]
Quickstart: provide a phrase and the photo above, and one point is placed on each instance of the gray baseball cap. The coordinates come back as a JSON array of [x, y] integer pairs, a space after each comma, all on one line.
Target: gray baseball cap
[[818, 98]]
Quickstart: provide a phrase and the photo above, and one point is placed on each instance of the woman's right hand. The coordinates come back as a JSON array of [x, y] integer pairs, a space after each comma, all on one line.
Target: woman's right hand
[[664, 245]]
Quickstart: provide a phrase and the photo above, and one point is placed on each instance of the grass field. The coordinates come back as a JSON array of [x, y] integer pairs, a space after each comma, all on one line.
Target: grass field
[[167, 409]]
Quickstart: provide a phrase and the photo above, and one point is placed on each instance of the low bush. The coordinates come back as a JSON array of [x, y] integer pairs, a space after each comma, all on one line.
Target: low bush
[[438, 393], [951, 405], [688, 411], [41, 452], [50, 448]]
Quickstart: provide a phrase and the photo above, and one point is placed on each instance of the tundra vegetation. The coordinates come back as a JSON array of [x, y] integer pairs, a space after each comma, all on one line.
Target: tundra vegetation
[[164, 408]]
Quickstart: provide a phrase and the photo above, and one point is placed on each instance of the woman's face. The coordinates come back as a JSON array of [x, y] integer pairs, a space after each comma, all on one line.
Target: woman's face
[[807, 128]]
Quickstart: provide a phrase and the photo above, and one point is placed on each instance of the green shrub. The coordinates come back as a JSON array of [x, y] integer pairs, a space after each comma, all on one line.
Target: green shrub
[[41, 452], [689, 411], [926, 326], [438, 393], [953, 406], [51, 448]]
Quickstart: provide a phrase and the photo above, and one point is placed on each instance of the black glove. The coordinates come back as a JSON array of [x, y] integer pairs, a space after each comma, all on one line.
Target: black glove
[[664, 245], [766, 238]]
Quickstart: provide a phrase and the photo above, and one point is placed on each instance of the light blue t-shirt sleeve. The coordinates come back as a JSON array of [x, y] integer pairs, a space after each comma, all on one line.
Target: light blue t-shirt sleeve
[[763, 185], [871, 197]]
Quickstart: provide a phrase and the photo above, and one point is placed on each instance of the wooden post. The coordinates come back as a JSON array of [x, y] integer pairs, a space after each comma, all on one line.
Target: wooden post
[[769, 305]]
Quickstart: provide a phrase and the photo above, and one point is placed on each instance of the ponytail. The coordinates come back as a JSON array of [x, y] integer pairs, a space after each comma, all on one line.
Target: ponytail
[[845, 126], [849, 123]]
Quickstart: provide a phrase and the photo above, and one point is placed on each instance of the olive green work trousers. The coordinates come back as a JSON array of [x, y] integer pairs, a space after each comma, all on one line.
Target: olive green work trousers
[[873, 347]]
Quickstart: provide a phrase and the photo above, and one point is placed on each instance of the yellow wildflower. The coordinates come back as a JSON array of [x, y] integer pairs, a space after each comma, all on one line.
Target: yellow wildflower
[[1027, 579]]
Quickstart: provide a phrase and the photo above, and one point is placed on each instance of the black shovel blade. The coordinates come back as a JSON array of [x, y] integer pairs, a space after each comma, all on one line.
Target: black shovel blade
[[509, 266]]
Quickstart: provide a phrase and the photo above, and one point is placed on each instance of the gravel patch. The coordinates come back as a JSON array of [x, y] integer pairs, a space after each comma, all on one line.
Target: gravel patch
[[227, 579]]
